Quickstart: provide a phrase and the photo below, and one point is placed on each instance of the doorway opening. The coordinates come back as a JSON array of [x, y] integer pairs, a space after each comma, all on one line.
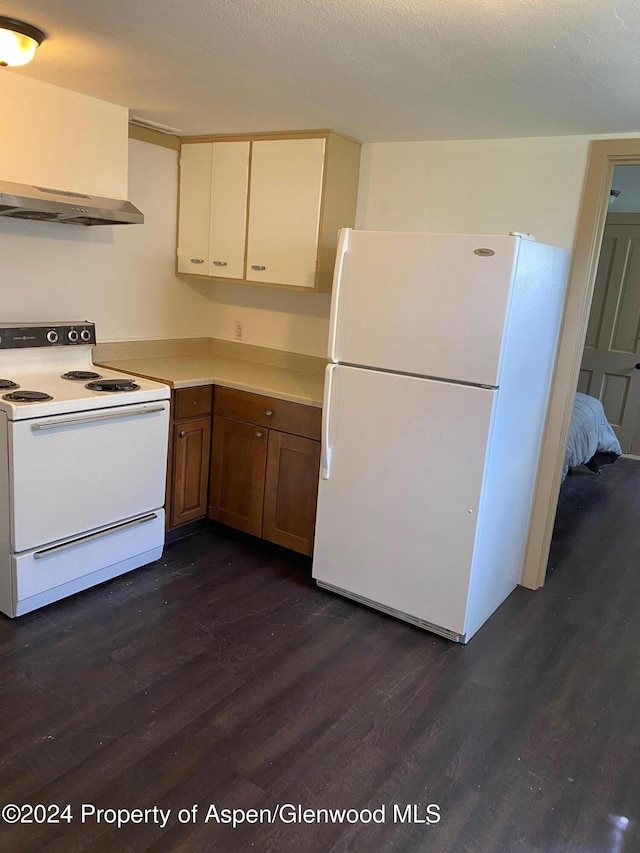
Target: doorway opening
[[604, 156], [610, 369]]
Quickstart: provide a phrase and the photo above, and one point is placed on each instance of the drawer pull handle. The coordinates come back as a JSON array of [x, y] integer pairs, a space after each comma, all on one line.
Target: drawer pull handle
[[258, 435], [197, 260], [101, 534], [182, 434], [269, 413], [60, 421], [220, 263], [258, 267]]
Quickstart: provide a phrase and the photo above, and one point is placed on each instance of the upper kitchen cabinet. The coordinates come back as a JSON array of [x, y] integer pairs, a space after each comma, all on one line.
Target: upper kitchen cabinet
[[214, 181], [266, 209], [284, 212]]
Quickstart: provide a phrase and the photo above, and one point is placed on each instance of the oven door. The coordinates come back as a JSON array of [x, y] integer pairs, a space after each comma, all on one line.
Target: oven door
[[77, 472]]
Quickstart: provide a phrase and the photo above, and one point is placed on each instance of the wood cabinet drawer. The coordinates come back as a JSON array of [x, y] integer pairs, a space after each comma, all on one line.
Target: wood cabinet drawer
[[283, 415], [192, 402]]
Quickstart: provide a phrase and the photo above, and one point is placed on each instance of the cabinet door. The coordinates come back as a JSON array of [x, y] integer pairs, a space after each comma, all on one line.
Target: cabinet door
[[284, 211], [195, 208], [237, 474], [293, 466], [191, 443], [228, 219]]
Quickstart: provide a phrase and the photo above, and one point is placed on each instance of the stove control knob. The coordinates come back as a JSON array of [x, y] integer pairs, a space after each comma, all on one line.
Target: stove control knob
[[85, 335], [52, 336], [72, 335]]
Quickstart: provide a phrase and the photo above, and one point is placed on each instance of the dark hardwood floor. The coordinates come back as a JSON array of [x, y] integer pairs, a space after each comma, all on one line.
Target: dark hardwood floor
[[221, 675]]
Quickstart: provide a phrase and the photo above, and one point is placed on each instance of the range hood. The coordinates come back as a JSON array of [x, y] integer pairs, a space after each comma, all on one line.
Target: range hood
[[23, 201]]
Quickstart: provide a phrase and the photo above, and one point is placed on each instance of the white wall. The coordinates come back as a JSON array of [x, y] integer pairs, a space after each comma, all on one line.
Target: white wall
[[475, 186], [627, 180], [121, 277], [270, 317], [61, 139], [471, 186], [490, 186]]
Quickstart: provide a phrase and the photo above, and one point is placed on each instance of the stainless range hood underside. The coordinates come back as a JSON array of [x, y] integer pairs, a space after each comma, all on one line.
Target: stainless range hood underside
[[23, 201]]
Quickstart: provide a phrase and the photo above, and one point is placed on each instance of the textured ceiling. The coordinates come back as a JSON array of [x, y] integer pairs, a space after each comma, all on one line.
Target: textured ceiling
[[375, 69]]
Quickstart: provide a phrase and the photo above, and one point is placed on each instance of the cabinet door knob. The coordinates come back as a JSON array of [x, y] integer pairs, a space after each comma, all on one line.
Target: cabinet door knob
[[258, 435], [182, 434], [257, 267], [220, 263], [269, 413], [197, 260]]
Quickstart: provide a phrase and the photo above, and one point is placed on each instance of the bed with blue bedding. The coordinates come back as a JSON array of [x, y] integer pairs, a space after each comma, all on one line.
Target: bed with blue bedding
[[592, 441]]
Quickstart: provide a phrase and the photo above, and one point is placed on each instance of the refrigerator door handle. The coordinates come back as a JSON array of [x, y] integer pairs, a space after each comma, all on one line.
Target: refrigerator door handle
[[325, 463], [343, 247]]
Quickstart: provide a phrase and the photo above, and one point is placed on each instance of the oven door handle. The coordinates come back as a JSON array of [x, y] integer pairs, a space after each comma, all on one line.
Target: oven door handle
[[80, 540], [55, 423]]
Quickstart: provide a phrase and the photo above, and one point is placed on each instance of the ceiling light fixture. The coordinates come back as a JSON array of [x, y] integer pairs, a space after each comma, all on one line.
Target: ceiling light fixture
[[18, 41], [613, 195]]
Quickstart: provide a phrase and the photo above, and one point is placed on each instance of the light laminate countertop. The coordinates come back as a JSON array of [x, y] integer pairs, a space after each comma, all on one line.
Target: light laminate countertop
[[210, 361]]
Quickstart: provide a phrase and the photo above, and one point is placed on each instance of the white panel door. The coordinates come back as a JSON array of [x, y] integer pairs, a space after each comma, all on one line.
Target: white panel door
[[284, 211], [228, 220], [612, 345], [396, 520], [195, 208], [429, 304]]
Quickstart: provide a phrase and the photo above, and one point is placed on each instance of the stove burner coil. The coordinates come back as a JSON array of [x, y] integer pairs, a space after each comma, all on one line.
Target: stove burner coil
[[27, 397], [112, 385], [8, 383], [81, 375]]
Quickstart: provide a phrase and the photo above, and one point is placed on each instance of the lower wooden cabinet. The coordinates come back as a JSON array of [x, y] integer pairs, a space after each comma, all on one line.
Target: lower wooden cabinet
[[258, 472], [264, 480], [238, 474], [291, 491], [189, 454], [191, 442]]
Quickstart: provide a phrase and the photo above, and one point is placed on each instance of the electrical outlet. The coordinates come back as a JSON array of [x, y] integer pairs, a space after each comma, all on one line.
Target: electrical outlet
[[238, 330]]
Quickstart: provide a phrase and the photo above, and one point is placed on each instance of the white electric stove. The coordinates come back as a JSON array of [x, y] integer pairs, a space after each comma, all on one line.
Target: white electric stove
[[82, 468]]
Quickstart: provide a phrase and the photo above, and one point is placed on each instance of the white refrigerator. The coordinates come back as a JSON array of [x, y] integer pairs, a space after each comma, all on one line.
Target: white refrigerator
[[441, 352]]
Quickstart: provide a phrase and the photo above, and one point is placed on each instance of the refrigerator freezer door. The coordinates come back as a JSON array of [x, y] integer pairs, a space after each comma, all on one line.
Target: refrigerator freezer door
[[427, 304], [397, 515]]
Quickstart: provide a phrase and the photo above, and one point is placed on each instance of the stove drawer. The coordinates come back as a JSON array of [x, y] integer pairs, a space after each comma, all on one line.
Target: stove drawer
[[78, 472], [48, 574]]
